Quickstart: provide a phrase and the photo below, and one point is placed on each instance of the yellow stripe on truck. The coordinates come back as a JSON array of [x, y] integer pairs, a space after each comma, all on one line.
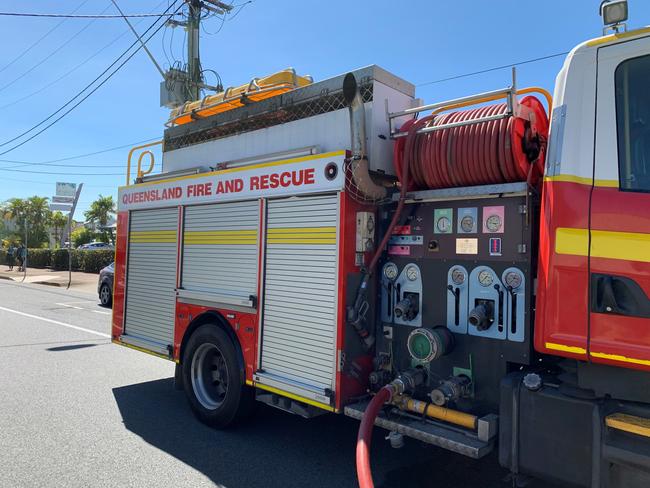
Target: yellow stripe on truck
[[302, 235], [626, 246], [223, 237], [152, 236]]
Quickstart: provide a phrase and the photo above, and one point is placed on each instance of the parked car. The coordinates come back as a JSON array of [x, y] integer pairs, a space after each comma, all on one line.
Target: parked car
[[93, 246], [105, 285]]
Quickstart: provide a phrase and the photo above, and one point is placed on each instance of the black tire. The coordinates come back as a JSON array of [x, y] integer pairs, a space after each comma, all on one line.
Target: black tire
[[105, 295], [209, 359]]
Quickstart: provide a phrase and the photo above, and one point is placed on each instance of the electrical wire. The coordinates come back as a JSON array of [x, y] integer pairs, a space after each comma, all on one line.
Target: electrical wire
[[40, 39], [49, 56], [84, 16], [495, 68], [84, 89], [75, 68]]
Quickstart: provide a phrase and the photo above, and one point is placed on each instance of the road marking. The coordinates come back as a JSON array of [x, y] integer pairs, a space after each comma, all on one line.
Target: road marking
[[102, 312], [69, 306], [56, 322]]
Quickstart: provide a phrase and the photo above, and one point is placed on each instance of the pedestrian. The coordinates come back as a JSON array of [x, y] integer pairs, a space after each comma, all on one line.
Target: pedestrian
[[22, 257], [10, 256]]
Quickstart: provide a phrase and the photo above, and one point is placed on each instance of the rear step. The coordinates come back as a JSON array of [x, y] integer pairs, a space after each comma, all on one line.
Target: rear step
[[462, 441], [629, 423]]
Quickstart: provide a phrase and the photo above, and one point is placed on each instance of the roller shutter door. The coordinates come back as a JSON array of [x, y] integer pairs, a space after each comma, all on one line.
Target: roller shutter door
[[151, 276], [220, 249], [300, 290]]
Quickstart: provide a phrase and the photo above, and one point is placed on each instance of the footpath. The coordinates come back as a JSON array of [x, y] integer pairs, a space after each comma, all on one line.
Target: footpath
[[84, 282]]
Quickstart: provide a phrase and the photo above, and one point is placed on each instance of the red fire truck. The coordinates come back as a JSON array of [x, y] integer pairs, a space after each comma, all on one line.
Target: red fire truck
[[467, 273]]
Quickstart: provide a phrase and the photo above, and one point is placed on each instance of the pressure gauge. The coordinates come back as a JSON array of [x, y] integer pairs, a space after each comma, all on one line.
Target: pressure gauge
[[493, 223], [390, 271], [458, 276], [467, 223], [513, 279], [485, 278], [443, 225], [412, 273]]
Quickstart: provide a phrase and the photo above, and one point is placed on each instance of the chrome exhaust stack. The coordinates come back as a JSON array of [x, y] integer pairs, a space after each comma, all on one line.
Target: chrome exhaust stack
[[359, 169]]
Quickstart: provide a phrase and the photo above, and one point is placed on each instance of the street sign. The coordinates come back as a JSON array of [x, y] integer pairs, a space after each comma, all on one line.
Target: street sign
[[63, 207], [60, 199], [66, 189]]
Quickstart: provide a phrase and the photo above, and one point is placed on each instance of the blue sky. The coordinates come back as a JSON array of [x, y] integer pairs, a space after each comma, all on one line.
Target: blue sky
[[420, 41]]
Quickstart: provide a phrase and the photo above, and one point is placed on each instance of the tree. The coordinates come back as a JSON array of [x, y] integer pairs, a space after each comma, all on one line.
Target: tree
[[100, 212], [33, 212], [58, 221], [81, 236]]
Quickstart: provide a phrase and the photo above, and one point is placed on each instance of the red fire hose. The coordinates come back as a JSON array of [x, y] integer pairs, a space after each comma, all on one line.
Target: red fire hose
[[364, 473]]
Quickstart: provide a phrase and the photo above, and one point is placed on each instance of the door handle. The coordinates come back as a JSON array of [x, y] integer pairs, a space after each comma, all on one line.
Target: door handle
[[618, 295]]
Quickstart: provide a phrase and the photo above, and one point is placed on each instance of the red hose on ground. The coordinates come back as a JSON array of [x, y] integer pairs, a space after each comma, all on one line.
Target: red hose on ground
[[364, 473]]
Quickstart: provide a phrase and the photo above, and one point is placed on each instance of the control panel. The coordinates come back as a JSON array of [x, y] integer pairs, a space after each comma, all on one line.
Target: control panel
[[401, 296]]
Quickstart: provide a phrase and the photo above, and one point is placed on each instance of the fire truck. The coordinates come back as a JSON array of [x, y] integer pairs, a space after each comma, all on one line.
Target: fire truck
[[473, 273]]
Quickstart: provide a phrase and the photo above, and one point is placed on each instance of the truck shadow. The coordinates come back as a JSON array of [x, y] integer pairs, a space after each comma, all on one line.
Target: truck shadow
[[278, 449]]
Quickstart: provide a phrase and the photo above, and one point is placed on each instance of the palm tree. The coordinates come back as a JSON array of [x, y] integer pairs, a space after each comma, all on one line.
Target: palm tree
[[58, 221], [100, 212]]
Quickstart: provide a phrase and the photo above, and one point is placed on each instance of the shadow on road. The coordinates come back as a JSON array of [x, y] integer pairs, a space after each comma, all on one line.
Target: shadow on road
[[70, 347], [279, 449]]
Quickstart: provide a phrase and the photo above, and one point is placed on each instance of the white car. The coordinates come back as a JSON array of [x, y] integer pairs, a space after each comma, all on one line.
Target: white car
[[94, 246]]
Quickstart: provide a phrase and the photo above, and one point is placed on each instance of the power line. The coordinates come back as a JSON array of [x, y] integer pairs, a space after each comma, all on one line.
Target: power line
[[49, 56], [75, 68], [496, 68], [85, 155], [84, 89], [40, 39], [83, 16]]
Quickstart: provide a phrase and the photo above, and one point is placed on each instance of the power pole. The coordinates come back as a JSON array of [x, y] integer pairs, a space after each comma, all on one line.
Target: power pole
[[195, 78]]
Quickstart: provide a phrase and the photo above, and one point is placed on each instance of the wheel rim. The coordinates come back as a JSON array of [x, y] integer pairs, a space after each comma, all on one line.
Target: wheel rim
[[209, 376], [104, 294]]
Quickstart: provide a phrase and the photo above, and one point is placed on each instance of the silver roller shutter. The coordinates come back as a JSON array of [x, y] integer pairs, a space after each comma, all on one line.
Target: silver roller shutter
[[220, 249], [151, 277], [300, 290]]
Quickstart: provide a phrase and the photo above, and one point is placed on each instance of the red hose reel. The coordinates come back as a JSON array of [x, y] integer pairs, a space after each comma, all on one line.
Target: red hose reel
[[499, 151]]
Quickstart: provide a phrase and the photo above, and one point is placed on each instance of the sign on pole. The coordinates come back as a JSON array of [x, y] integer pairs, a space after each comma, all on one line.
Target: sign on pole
[[60, 199], [63, 207], [66, 189]]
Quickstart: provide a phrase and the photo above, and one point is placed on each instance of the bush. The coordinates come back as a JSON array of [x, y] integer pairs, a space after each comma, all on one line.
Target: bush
[[94, 261], [39, 258], [60, 259], [82, 236], [3, 256]]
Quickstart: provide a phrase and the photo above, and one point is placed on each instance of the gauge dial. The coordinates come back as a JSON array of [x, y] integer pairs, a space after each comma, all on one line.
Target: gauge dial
[[485, 278], [467, 223], [493, 223], [513, 279], [458, 276], [412, 273], [443, 224], [390, 271]]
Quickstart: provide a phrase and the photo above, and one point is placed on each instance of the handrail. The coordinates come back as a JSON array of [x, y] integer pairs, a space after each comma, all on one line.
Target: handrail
[[151, 164]]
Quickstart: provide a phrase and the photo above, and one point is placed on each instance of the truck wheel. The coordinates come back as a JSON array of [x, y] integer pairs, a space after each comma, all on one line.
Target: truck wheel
[[213, 380]]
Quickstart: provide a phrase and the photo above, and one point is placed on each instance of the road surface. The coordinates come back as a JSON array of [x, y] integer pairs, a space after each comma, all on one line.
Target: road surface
[[78, 411]]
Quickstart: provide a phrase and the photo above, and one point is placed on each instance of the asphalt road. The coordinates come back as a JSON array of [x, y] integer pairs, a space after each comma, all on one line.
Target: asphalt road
[[76, 410]]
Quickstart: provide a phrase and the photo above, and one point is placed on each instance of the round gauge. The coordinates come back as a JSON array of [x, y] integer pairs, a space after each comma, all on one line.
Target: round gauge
[[493, 223], [485, 278], [443, 224], [412, 273], [458, 276], [513, 279], [467, 223], [390, 271]]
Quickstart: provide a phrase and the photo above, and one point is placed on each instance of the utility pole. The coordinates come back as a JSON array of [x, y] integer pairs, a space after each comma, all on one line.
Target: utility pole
[[195, 78]]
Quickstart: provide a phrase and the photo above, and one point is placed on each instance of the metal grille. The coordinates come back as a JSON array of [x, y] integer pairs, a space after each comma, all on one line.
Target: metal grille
[[327, 102], [151, 276], [220, 248], [299, 331]]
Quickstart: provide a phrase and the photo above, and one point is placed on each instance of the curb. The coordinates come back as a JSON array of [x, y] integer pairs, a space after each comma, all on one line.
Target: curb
[[47, 283], [6, 278]]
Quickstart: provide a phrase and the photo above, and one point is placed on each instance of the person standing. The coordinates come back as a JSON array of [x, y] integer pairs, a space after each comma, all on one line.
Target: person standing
[[10, 256], [22, 257]]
